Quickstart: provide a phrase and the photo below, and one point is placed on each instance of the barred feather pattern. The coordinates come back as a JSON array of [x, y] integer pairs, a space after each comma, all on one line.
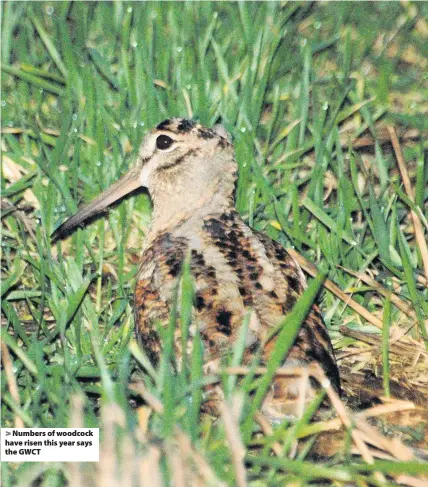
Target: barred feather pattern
[[236, 270]]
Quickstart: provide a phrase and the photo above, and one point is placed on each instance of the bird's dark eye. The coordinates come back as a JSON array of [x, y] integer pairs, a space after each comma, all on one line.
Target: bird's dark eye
[[164, 142]]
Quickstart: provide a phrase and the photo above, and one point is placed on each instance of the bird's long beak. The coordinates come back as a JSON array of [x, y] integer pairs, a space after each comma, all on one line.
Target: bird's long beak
[[130, 182]]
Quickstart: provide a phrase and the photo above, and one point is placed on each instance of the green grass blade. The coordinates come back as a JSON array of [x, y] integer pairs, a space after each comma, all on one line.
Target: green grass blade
[[50, 46], [385, 345], [34, 80], [287, 333]]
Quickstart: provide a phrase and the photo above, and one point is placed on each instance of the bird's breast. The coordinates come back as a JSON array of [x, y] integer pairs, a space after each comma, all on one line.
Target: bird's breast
[[232, 274]]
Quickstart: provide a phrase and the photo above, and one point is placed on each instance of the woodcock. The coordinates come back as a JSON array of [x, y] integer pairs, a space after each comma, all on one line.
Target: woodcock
[[190, 173]]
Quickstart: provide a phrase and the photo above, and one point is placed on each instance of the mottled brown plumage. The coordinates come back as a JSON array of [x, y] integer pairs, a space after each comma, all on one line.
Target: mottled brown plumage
[[190, 172]]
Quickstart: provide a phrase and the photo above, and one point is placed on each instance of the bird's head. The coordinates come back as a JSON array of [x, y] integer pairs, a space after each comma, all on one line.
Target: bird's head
[[184, 166]]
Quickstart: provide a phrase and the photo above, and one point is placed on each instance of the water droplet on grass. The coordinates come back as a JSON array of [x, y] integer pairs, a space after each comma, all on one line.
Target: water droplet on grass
[[179, 49], [50, 10]]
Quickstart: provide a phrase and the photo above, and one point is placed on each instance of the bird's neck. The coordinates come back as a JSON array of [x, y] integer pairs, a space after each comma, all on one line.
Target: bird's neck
[[172, 212]]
